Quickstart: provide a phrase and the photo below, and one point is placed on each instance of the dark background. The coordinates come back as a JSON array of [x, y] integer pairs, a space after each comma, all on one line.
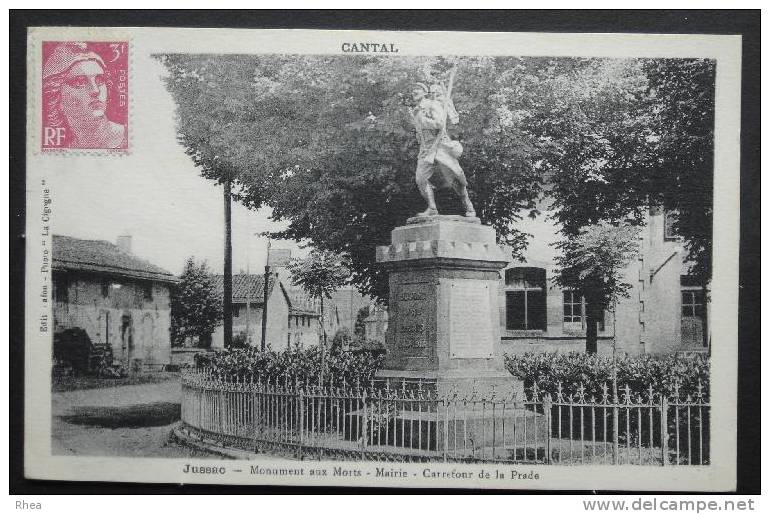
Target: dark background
[[743, 22]]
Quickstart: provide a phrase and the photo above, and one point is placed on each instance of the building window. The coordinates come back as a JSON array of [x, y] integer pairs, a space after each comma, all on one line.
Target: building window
[[147, 291], [669, 225], [525, 299], [692, 303], [575, 310], [573, 307], [105, 289], [236, 311]]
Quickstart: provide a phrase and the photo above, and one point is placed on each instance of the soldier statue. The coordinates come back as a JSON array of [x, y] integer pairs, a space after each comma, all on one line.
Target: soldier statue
[[438, 152]]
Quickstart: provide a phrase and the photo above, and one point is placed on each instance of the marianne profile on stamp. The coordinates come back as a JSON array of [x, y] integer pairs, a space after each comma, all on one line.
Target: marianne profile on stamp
[[76, 100]]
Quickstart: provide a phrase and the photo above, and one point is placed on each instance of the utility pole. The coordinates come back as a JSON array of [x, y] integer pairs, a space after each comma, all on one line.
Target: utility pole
[[248, 299], [227, 304], [265, 298]]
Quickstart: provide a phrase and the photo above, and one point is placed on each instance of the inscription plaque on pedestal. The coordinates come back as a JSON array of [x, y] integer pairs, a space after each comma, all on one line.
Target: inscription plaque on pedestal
[[411, 323], [470, 325]]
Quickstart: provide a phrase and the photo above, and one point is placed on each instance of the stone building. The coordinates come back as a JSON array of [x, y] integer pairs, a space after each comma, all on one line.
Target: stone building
[[666, 311], [376, 323], [304, 329], [341, 310], [290, 321], [120, 300]]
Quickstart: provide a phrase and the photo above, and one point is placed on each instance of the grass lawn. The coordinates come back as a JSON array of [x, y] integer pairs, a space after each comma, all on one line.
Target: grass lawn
[[63, 384]]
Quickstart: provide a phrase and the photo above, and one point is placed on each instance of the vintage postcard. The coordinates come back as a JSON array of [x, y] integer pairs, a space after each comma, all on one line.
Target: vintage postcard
[[410, 259]]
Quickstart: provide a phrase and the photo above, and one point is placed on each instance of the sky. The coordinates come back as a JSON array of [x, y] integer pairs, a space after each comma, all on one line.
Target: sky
[[156, 195]]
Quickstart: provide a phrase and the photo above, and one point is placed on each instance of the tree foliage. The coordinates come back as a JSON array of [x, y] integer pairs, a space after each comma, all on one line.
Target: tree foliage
[[597, 116], [327, 143], [632, 135], [320, 274], [593, 263], [682, 165], [196, 307], [599, 256]]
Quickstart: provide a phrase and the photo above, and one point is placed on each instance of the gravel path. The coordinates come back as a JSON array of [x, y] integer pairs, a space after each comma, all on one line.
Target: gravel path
[[63, 404], [125, 421]]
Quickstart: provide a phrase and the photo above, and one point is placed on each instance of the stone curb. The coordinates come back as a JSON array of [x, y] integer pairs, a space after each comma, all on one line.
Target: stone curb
[[190, 440]]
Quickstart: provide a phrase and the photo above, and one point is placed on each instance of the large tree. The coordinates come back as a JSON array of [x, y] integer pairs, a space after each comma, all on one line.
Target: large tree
[[681, 174], [632, 135], [196, 307], [327, 142], [596, 114]]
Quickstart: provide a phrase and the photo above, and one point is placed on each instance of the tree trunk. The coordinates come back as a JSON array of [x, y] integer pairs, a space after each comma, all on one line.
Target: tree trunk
[[323, 342], [266, 297], [592, 334], [227, 303], [323, 322], [705, 319]]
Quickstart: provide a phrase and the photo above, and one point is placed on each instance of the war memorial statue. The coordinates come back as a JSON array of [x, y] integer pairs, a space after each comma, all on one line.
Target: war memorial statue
[[438, 152], [444, 272]]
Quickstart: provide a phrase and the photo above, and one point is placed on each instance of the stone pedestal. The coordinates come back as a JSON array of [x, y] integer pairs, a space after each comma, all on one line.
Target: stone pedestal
[[444, 317]]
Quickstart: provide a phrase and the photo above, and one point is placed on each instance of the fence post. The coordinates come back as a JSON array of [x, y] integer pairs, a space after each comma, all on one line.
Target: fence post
[[615, 442], [547, 406], [254, 415], [199, 397], [301, 421], [664, 429], [221, 427], [363, 429], [445, 403]]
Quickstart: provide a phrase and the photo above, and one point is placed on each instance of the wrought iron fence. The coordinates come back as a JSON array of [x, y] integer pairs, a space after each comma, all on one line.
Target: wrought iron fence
[[416, 424]]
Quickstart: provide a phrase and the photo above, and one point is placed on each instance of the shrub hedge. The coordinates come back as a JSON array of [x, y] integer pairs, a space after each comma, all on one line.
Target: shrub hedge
[[639, 372], [296, 365]]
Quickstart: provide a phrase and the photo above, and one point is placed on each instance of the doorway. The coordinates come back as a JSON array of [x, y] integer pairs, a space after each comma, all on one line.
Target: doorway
[[127, 341]]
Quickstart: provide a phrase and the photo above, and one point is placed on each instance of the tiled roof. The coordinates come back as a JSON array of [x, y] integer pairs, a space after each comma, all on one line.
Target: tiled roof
[[246, 286], [98, 256], [301, 304], [304, 312]]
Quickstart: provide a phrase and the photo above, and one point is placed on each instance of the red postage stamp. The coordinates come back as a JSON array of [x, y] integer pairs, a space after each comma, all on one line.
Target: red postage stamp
[[85, 95]]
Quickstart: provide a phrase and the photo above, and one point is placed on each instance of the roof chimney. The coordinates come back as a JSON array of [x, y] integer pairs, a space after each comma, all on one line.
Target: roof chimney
[[124, 242]]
